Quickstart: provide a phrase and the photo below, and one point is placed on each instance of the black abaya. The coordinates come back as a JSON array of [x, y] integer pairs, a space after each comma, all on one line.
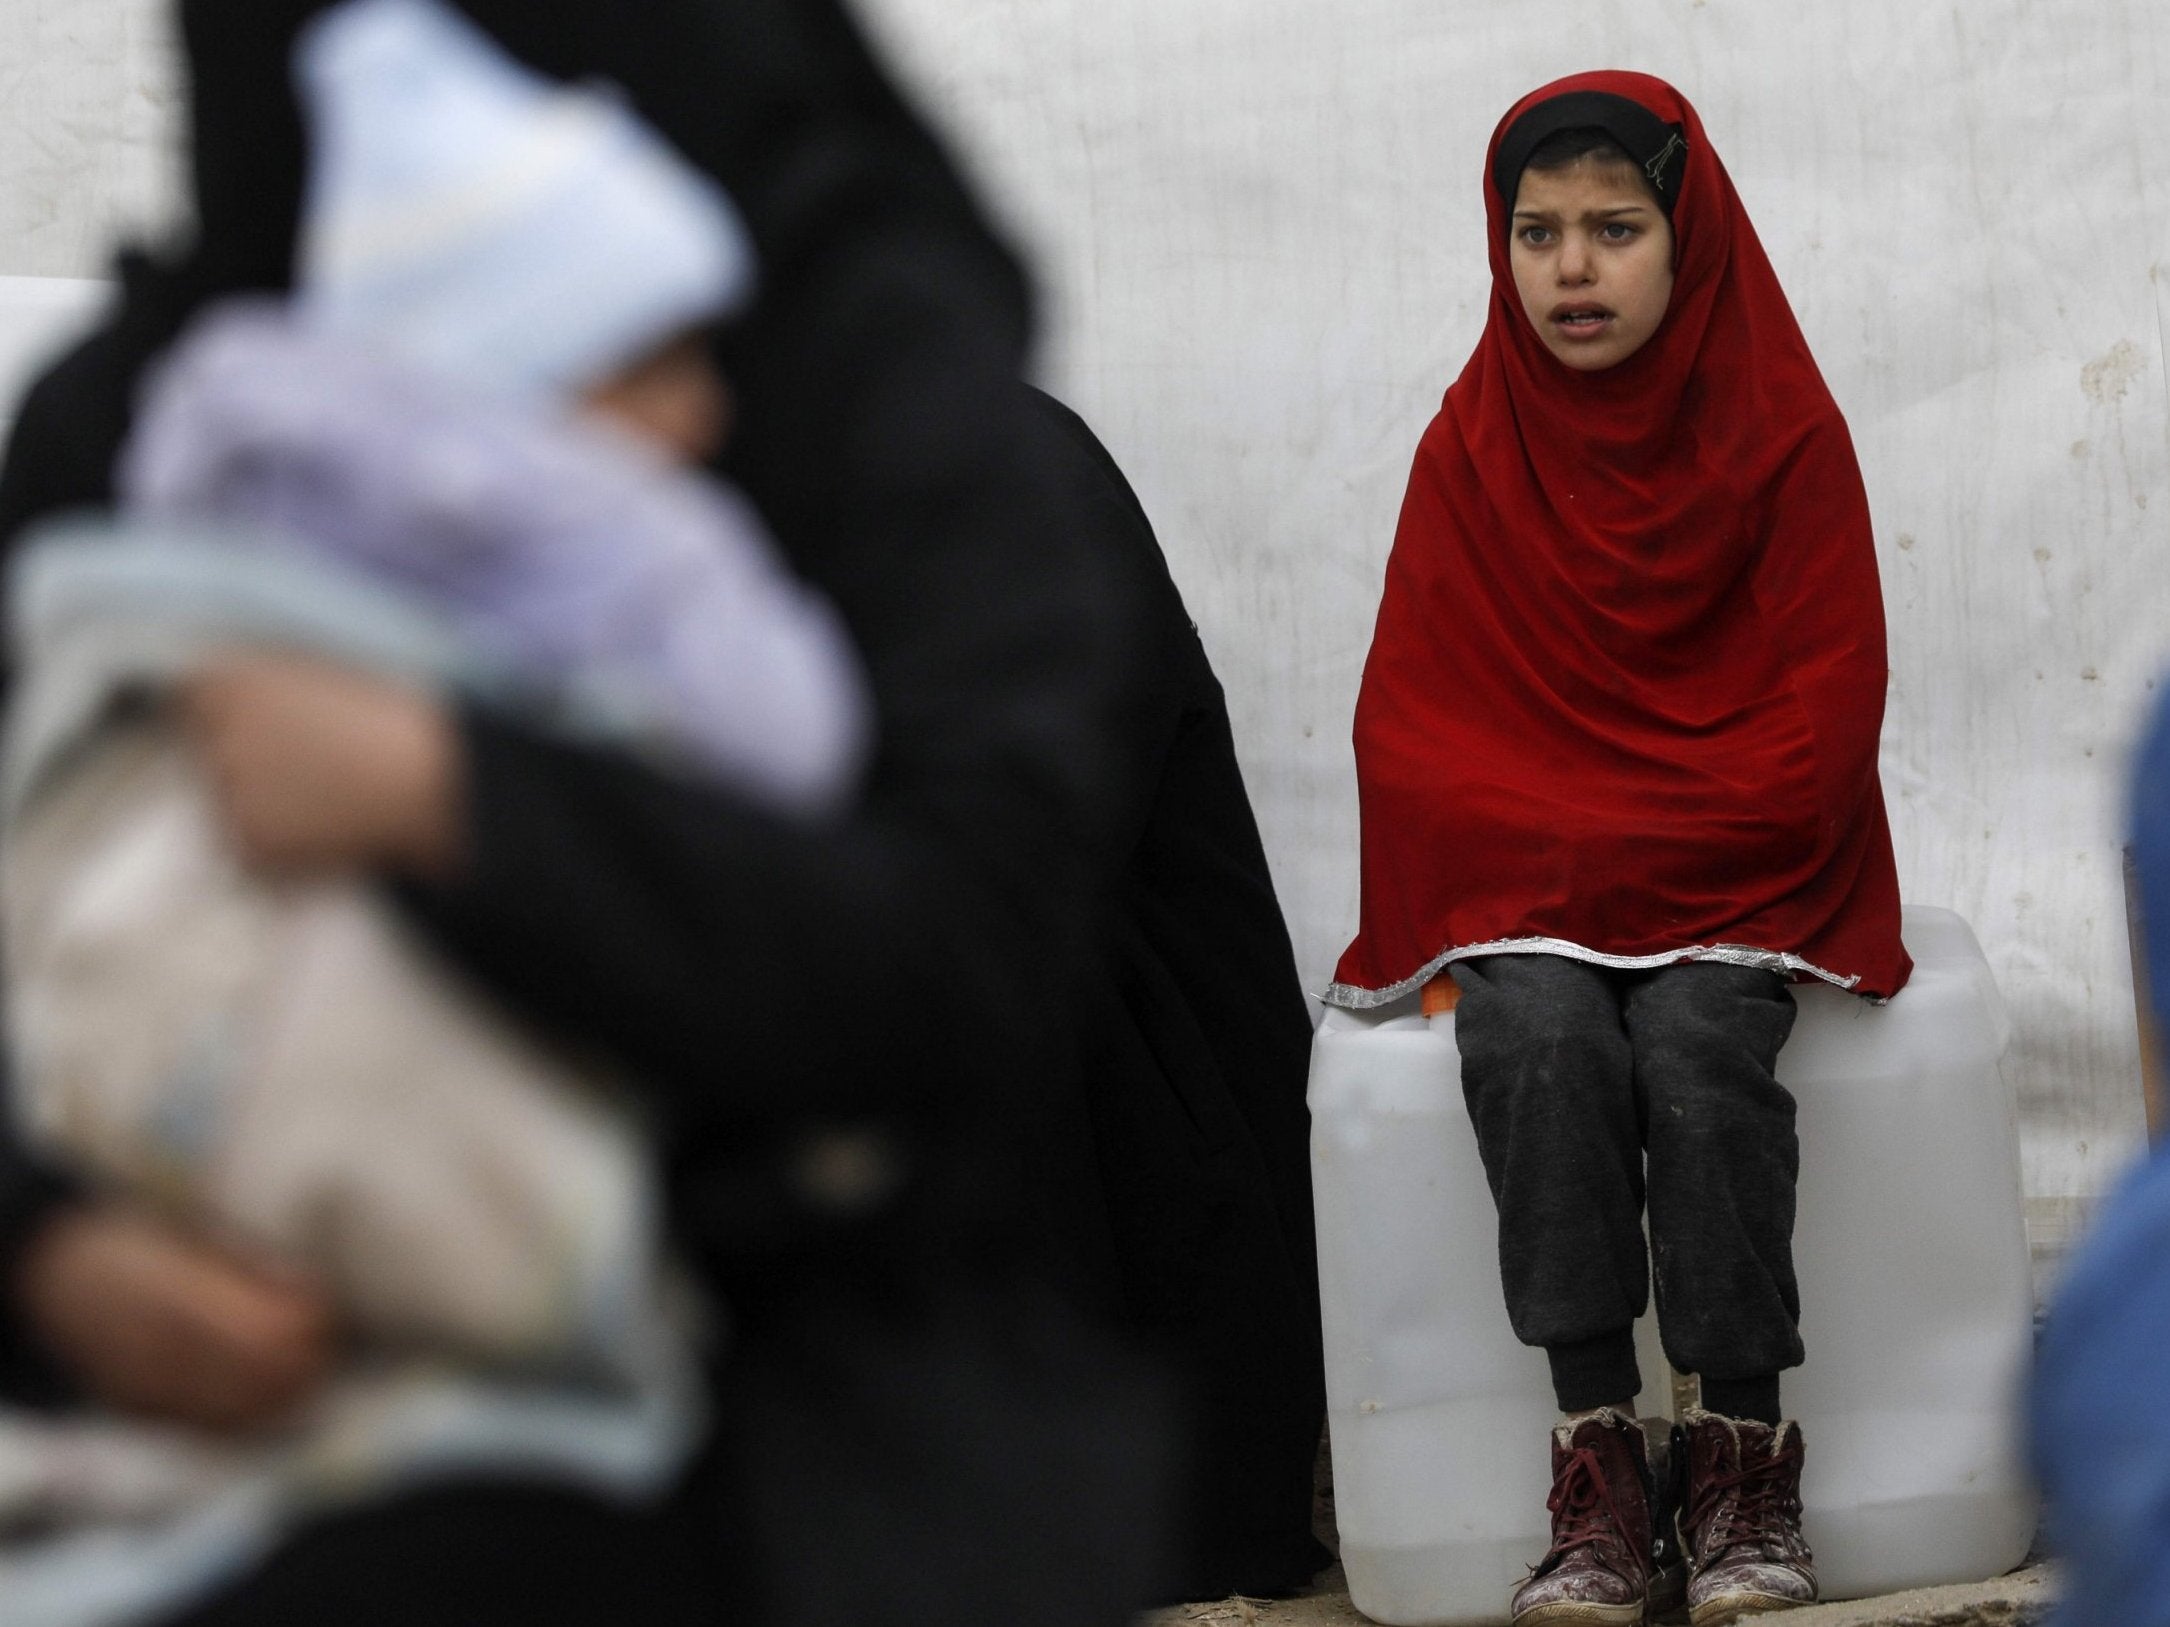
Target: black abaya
[[1194, 1215]]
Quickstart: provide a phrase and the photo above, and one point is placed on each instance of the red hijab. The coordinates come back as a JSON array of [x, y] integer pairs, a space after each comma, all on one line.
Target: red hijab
[[1623, 696]]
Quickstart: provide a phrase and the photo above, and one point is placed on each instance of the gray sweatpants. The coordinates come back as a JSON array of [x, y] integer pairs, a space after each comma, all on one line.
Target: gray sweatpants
[[1594, 1090]]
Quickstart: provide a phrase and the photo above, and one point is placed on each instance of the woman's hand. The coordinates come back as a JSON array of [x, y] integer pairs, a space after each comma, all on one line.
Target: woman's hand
[[151, 1321], [320, 768]]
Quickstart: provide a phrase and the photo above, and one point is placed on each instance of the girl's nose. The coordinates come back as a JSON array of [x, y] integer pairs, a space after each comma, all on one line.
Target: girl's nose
[[1574, 261]]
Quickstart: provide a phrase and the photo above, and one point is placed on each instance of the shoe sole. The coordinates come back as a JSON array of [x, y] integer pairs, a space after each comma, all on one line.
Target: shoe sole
[[1573, 1613], [1733, 1606]]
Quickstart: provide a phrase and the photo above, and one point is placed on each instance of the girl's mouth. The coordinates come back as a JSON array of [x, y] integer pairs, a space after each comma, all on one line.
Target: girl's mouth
[[1580, 320]]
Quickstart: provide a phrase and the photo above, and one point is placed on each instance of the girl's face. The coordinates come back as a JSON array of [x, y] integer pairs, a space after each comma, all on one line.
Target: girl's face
[[1592, 255]]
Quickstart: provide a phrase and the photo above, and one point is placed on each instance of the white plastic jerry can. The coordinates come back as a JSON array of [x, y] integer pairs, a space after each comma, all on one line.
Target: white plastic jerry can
[[1916, 1297]]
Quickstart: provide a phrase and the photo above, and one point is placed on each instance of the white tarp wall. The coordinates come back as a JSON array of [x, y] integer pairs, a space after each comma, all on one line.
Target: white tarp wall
[[1260, 228], [88, 109]]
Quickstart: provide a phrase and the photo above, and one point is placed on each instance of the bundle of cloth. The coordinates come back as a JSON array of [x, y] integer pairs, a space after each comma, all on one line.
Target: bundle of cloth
[[437, 463]]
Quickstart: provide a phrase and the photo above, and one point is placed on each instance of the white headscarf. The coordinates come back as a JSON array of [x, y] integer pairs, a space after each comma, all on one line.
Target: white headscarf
[[524, 236]]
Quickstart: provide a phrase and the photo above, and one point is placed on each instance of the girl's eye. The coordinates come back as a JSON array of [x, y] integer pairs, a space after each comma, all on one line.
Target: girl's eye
[[1535, 236], [1616, 231]]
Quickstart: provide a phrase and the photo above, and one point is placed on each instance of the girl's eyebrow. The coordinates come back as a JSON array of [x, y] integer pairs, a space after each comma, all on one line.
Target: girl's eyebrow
[[1605, 213]]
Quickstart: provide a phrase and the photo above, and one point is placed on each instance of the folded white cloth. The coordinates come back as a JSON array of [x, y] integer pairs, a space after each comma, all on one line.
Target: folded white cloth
[[283, 1065]]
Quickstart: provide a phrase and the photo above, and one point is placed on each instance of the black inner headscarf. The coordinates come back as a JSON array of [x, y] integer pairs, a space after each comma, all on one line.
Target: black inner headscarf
[[1659, 149]]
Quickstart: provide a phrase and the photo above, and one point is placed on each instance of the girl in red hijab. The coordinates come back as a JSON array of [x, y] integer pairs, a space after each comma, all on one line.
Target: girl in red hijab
[[1616, 752]]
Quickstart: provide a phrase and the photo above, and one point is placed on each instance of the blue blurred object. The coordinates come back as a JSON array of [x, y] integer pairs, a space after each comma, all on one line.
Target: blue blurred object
[[2100, 1406], [2101, 1411]]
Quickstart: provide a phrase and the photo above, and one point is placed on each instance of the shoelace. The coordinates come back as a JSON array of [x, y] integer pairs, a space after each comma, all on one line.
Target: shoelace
[[1584, 1514], [1749, 1506]]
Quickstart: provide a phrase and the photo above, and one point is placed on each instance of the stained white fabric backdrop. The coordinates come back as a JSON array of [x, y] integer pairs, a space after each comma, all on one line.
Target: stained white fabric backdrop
[[87, 110], [1260, 229]]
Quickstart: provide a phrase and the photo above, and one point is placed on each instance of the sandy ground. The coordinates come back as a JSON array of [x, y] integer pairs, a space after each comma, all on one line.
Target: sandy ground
[[1327, 1603], [2019, 1600]]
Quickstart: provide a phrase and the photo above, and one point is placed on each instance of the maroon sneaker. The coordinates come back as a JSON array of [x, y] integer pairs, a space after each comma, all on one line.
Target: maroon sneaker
[[1742, 1522], [1597, 1571]]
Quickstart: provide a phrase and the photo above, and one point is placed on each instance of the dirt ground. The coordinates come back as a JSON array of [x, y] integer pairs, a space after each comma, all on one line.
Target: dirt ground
[[1325, 1605], [2019, 1600]]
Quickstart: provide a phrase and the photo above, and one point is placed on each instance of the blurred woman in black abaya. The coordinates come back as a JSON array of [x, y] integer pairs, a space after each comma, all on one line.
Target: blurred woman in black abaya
[[832, 1026]]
